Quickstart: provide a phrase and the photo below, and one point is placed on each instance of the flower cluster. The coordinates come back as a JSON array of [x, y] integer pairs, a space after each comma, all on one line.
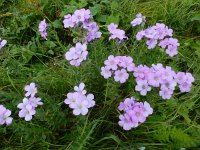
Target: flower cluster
[[30, 102], [2, 43], [43, 29], [160, 32], [119, 66], [116, 33], [79, 101], [82, 18], [139, 20], [163, 77], [77, 54], [134, 113], [5, 116]]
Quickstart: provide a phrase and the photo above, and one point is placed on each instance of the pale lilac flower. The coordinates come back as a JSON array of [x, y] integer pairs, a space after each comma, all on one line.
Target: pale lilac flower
[[127, 104], [5, 116], [112, 27], [147, 110], [111, 63], [2, 43], [142, 87], [121, 76], [80, 88], [116, 33], [30, 102], [140, 35], [43, 29], [134, 113], [68, 21], [80, 107], [166, 93], [79, 101], [151, 43], [31, 90], [139, 20], [77, 54], [125, 122], [27, 112], [185, 87], [105, 72], [90, 99]]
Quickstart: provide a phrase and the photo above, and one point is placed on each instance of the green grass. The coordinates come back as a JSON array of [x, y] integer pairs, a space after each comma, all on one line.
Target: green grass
[[28, 58]]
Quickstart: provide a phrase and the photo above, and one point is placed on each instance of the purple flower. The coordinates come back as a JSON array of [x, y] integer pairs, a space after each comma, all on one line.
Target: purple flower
[[5, 116], [80, 88], [68, 21], [116, 33], [2, 43], [147, 110], [31, 90], [30, 102], [77, 54], [139, 20], [43, 29], [80, 107], [121, 76], [142, 87], [151, 43], [125, 122], [111, 63], [79, 101], [166, 93], [134, 113], [27, 112], [105, 72]]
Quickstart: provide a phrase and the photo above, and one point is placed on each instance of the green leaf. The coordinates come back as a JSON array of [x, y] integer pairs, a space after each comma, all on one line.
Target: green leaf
[[94, 10], [113, 19], [196, 18], [57, 24]]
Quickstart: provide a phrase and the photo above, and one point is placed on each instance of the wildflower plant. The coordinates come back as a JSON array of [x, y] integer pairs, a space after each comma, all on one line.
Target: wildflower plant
[[30, 102], [79, 101]]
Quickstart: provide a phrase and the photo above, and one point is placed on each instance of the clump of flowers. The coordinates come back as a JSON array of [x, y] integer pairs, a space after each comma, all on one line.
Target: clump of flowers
[[118, 66], [43, 29], [30, 102], [82, 19], [79, 101], [139, 20], [116, 33], [161, 77], [2, 43], [135, 113], [5, 116], [77, 54], [160, 33]]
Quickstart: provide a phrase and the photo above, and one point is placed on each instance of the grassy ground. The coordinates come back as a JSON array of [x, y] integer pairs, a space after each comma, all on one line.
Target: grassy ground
[[28, 58]]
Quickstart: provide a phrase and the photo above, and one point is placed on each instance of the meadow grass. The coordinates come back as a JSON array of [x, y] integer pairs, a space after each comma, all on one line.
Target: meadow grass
[[28, 58]]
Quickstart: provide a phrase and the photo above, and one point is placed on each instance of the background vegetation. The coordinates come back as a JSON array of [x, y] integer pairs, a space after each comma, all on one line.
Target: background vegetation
[[29, 58]]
